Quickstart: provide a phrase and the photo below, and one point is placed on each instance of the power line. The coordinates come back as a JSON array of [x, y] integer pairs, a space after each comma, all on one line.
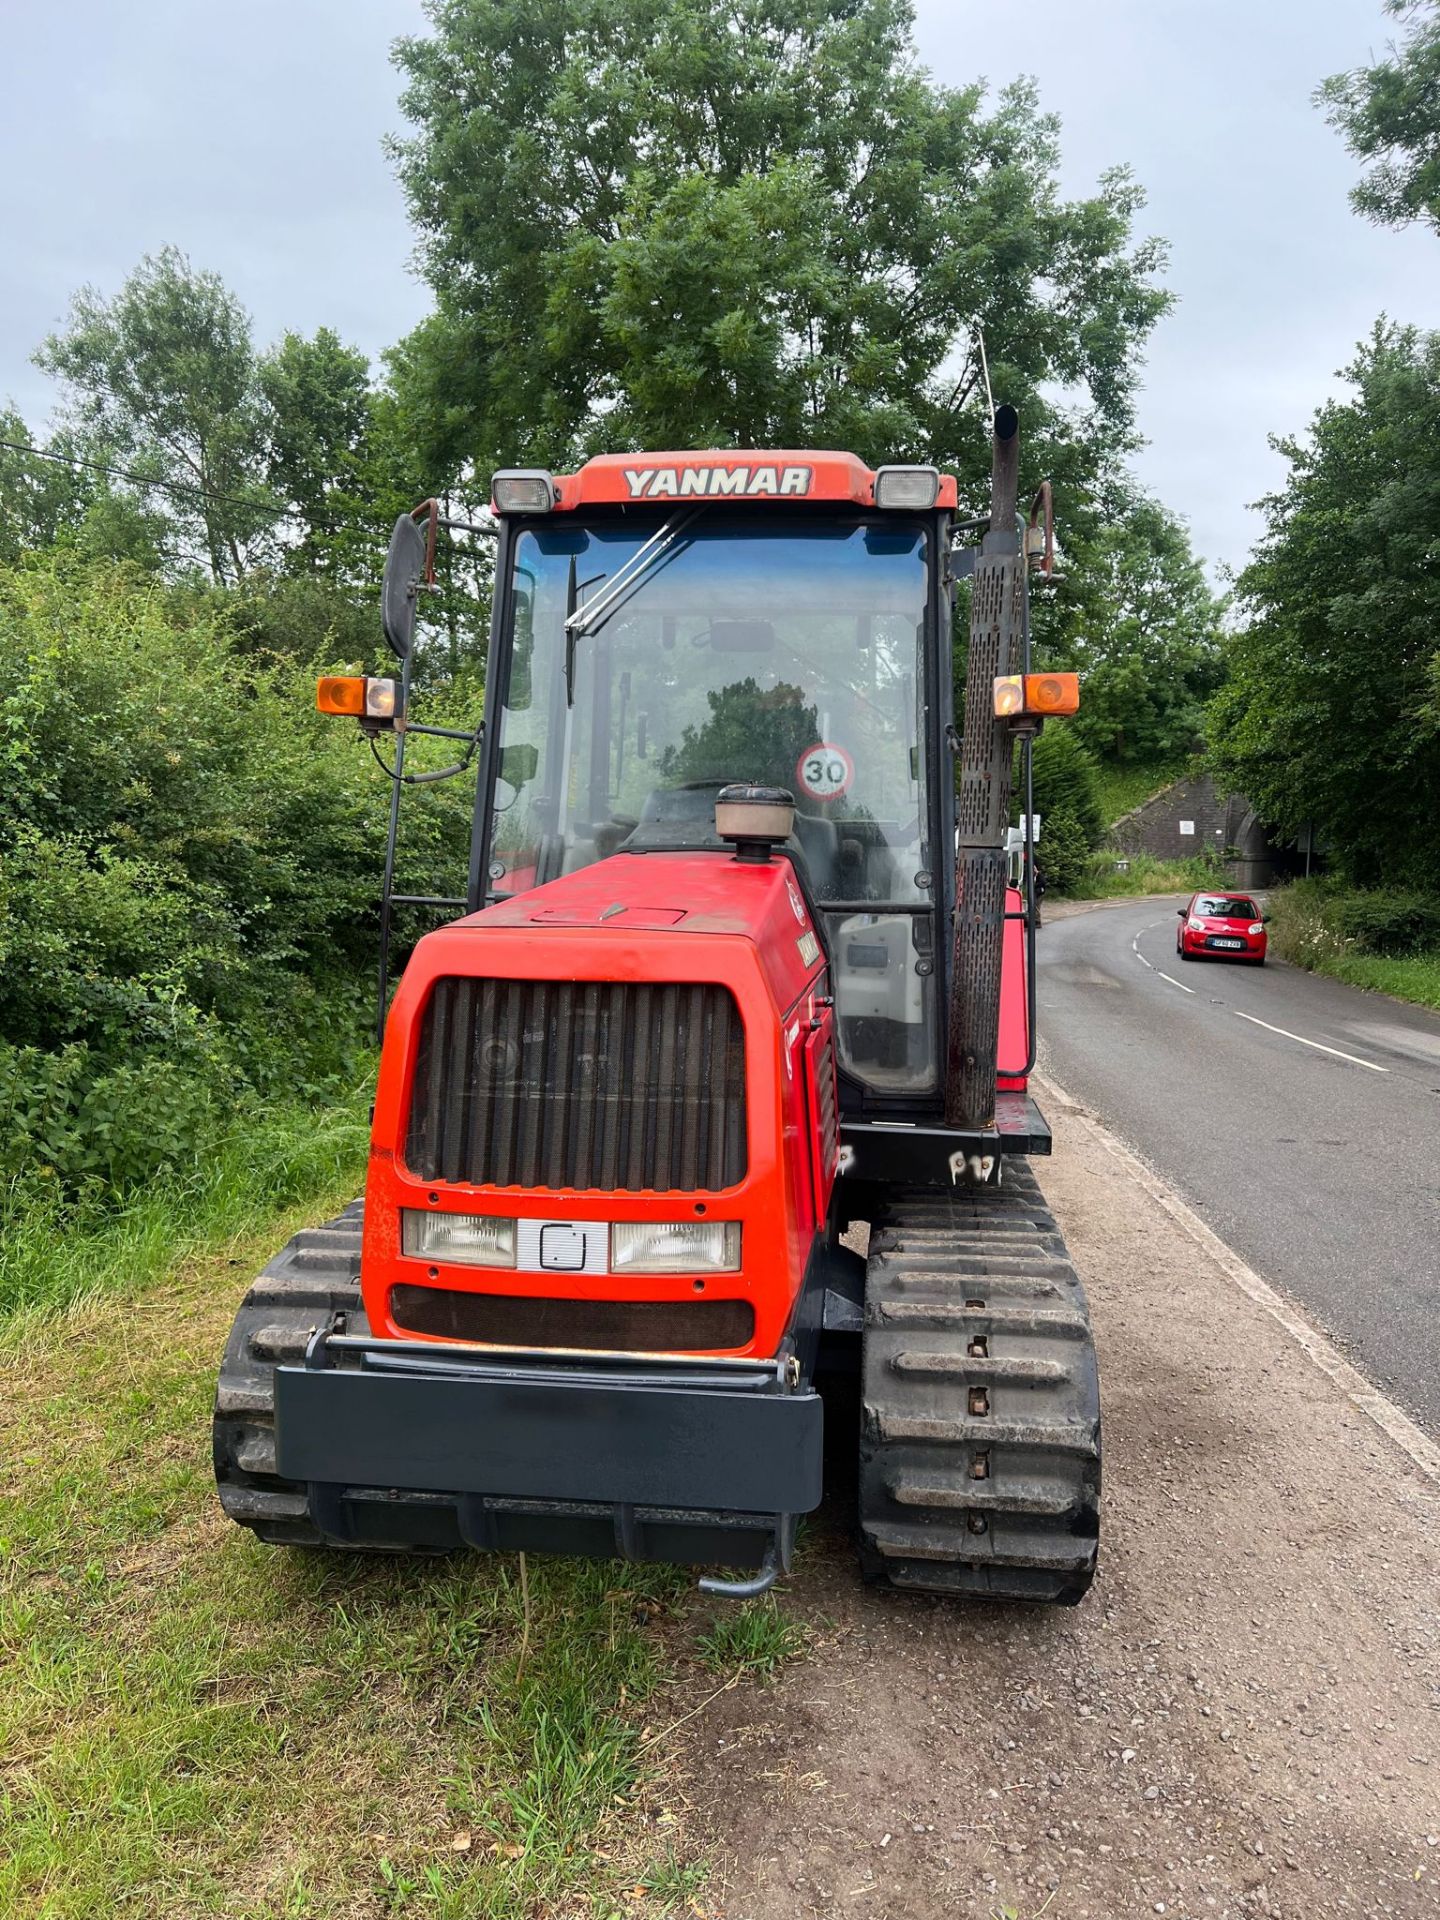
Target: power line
[[151, 480], [225, 499], [329, 522]]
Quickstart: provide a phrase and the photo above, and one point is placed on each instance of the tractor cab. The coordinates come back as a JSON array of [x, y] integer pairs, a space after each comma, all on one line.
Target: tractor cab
[[759, 621]]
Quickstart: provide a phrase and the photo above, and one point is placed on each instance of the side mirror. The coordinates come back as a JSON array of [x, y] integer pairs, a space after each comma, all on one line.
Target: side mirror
[[1180, 913], [406, 565]]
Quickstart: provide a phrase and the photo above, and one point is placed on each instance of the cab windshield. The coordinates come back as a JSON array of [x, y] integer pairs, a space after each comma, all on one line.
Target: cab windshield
[[787, 656]]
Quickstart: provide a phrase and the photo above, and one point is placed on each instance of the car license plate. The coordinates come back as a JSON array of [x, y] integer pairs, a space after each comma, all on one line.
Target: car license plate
[[1228, 943]]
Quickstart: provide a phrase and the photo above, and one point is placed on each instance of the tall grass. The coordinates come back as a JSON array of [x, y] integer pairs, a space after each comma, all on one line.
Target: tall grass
[[56, 1250], [196, 1726], [1102, 877]]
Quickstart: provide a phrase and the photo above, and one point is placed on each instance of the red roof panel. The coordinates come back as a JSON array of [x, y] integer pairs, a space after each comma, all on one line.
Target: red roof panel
[[720, 473]]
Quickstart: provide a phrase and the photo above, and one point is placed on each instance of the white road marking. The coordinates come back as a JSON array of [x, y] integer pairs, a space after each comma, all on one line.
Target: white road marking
[[1367, 1398], [1285, 1032], [1318, 1045], [1135, 949]]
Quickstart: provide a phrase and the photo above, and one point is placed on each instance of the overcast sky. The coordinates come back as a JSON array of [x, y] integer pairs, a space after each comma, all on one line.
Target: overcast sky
[[249, 134]]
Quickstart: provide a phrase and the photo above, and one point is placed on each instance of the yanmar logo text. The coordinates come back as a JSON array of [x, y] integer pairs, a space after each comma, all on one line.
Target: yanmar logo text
[[708, 483]]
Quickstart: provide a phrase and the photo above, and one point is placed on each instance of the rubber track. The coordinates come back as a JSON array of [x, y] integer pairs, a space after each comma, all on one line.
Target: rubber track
[[980, 1424], [309, 1282]]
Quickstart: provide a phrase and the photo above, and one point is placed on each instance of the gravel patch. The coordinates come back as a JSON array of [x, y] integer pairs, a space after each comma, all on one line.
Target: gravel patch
[[1242, 1719]]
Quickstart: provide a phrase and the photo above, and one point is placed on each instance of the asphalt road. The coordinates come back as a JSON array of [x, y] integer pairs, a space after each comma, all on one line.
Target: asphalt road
[[1314, 1152]]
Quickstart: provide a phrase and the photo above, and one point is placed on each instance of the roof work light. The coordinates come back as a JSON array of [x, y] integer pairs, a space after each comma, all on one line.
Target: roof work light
[[523, 490], [912, 487], [1036, 695]]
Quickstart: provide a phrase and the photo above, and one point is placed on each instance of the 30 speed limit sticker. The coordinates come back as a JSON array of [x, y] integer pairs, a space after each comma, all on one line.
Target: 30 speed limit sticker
[[825, 770]]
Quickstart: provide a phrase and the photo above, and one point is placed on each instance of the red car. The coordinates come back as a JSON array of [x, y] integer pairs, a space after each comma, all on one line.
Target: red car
[[1221, 926]]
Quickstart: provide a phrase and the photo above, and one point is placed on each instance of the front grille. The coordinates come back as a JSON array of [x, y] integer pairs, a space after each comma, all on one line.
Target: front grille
[[625, 1326], [616, 1086]]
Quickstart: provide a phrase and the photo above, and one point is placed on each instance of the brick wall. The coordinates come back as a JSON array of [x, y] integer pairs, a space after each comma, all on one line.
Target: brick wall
[[1226, 825]]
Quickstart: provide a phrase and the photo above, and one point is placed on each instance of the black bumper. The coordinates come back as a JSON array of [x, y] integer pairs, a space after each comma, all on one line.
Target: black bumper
[[413, 1444]]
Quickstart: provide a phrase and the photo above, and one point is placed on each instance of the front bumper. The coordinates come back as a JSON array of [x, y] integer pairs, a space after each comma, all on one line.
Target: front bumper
[[422, 1444]]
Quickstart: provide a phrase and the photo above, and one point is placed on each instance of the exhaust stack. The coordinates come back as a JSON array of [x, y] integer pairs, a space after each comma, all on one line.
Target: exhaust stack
[[997, 629]]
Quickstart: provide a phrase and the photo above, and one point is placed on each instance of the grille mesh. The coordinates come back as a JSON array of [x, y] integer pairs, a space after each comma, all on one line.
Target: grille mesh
[[828, 1117], [610, 1086]]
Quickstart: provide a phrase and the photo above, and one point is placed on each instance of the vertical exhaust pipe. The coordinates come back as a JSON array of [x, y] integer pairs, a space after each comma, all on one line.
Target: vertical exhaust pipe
[[997, 627]]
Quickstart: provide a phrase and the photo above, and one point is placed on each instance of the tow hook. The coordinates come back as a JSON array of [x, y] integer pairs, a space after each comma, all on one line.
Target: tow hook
[[750, 1589]]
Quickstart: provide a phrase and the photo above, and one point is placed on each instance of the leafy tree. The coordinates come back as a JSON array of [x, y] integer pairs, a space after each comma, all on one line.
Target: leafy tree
[[680, 222], [119, 526], [164, 375], [318, 417], [1135, 615], [39, 498], [245, 460], [1389, 113], [751, 734], [1329, 713]]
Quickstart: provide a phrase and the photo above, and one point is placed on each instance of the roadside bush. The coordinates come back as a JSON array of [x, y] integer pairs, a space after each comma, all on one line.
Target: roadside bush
[[1387, 940], [1067, 798], [1101, 877], [1392, 922], [1320, 920], [189, 875]]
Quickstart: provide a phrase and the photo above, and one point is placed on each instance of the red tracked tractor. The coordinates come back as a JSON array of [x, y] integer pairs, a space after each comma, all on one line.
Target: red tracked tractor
[[741, 969]]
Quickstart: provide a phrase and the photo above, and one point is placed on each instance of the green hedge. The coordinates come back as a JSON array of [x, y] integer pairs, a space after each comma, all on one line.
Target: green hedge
[[189, 872], [1384, 939], [1319, 920], [1067, 798]]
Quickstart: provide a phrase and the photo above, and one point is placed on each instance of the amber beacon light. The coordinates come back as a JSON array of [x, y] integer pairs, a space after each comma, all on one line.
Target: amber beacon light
[[363, 697], [1036, 694]]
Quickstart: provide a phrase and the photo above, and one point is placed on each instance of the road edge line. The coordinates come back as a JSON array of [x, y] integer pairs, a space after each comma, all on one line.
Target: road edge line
[[1393, 1421]]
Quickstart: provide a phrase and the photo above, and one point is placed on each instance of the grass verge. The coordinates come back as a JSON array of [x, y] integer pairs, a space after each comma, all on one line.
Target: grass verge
[[1414, 977], [193, 1724], [55, 1250], [1329, 929]]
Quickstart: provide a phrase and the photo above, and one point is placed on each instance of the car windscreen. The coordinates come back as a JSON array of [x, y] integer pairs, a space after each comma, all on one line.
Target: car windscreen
[[1218, 909]]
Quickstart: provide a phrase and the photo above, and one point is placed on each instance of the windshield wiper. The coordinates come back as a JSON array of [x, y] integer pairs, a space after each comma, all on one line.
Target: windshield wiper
[[587, 618]]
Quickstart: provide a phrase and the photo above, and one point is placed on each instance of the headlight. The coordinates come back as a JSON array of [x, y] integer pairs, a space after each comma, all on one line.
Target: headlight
[[379, 699], [1257, 926], [675, 1246], [469, 1239], [1195, 926]]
